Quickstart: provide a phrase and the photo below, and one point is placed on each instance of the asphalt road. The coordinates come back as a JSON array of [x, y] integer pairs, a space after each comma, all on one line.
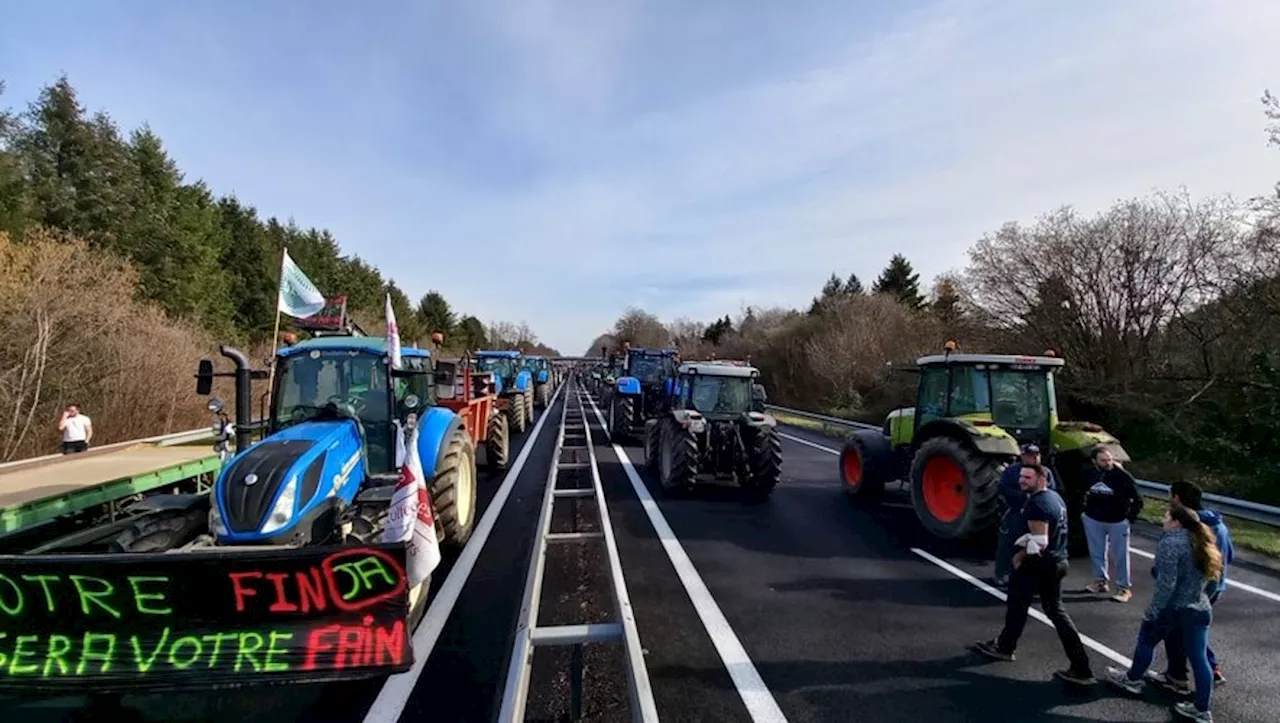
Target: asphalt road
[[799, 608]]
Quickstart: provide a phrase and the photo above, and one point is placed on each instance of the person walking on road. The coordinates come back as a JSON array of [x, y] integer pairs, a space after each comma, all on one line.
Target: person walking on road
[[1188, 568], [76, 428], [1174, 679], [1039, 567], [1111, 504], [1011, 522]]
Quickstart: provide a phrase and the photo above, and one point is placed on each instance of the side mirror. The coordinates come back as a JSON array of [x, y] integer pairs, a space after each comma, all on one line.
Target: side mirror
[[411, 401], [204, 377], [758, 393]]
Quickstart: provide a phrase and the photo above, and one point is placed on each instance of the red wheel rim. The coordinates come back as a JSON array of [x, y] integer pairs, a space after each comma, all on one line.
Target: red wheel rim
[[945, 490], [851, 467]]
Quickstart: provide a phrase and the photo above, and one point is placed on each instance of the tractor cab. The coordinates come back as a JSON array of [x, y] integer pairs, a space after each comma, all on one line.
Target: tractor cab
[[643, 390], [1013, 393], [539, 367], [334, 378], [719, 390], [504, 365]]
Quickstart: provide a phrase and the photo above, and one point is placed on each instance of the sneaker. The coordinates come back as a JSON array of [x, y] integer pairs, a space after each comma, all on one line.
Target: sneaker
[[1075, 678], [1218, 678], [1122, 595], [1099, 587], [1171, 685], [992, 650], [1120, 679], [1187, 709]]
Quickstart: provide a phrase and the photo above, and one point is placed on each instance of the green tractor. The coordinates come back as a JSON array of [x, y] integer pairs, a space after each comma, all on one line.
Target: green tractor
[[973, 413]]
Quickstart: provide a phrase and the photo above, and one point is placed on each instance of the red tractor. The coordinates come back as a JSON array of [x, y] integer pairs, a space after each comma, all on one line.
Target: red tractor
[[471, 395]]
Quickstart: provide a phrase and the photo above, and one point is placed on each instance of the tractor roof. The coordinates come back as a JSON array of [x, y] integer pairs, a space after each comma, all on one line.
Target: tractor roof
[[500, 354], [1004, 359], [718, 369], [364, 344], [651, 352]]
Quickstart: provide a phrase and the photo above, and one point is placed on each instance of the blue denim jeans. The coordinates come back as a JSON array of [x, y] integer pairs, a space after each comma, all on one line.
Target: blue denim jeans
[[1109, 540], [1193, 625]]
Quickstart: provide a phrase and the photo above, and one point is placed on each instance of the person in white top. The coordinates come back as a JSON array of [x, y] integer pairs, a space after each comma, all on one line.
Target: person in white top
[[76, 428]]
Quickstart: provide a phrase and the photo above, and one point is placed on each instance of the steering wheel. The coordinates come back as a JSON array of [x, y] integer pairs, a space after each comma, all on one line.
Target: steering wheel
[[356, 404]]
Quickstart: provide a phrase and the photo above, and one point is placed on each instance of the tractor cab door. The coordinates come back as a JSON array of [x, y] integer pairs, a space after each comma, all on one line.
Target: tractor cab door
[[932, 396]]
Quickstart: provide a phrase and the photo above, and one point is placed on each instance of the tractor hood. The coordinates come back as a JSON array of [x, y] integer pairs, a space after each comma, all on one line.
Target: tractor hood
[[260, 492]]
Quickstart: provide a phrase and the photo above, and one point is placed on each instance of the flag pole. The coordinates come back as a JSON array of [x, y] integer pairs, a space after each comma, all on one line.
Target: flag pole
[[275, 334]]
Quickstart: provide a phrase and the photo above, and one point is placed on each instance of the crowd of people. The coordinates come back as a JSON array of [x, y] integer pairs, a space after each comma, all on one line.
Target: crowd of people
[[1189, 573]]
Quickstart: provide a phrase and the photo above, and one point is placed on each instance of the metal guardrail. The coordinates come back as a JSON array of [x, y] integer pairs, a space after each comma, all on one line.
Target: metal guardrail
[[163, 440], [1229, 506]]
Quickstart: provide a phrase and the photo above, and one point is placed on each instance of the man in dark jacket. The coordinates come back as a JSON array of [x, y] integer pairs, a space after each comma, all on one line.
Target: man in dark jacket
[[1174, 679], [1111, 504], [1011, 524]]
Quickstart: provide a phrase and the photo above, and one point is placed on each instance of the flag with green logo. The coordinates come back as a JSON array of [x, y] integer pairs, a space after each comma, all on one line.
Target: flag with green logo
[[299, 297]]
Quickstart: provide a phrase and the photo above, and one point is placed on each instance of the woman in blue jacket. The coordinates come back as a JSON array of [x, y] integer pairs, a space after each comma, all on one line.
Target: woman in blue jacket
[[1188, 569]]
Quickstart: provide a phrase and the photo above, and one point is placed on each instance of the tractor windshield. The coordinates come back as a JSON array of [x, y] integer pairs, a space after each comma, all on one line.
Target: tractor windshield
[[504, 367], [648, 369], [355, 384], [719, 395], [1020, 399]]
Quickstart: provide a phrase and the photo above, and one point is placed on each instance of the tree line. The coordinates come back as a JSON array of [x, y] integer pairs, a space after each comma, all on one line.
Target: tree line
[[1166, 309], [117, 272]]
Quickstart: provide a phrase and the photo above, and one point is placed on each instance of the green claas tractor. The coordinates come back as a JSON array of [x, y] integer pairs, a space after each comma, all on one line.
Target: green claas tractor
[[973, 413]]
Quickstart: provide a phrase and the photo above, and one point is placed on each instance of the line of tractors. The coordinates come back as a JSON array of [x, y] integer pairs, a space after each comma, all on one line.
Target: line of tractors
[[696, 419]]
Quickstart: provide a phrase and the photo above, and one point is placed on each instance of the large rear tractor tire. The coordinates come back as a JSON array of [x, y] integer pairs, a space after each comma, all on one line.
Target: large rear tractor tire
[[621, 417], [542, 396], [497, 444], [677, 458], [652, 442], [764, 461], [954, 488], [453, 492], [515, 414], [527, 398], [862, 466]]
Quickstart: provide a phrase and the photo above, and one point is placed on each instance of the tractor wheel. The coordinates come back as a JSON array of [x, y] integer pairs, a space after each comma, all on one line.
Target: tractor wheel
[[677, 459], [764, 461], [515, 414], [861, 463], [160, 532], [527, 396], [542, 395], [652, 440], [453, 492], [953, 488], [497, 444], [621, 418]]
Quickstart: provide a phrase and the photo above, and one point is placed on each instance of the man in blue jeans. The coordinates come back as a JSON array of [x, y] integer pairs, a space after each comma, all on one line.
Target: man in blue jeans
[[1174, 679]]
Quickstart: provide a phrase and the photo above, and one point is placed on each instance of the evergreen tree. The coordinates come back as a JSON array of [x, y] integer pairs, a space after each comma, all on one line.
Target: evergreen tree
[[435, 315], [946, 300], [900, 281], [853, 286]]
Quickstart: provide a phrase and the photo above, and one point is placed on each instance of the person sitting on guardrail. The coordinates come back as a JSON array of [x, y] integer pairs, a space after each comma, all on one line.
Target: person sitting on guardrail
[[1039, 569], [1011, 522], [1111, 504], [1174, 679], [76, 428], [1188, 569]]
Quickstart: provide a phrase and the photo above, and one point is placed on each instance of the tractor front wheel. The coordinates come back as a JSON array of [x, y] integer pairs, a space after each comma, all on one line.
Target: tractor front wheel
[[515, 413], [527, 398], [861, 466], [677, 458], [497, 444], [542, 395], [954, 488], [453, 492]]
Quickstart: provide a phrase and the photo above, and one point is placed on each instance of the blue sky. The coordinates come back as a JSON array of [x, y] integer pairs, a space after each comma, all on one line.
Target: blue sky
[[687, 157]]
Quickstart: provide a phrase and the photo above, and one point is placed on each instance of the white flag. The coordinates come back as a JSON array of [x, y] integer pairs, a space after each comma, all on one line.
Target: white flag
[[299, 297], [409, 518], [393, 336]]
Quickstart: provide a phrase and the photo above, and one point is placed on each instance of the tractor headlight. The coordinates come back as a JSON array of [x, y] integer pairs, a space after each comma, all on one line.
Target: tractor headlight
[[283, 510]]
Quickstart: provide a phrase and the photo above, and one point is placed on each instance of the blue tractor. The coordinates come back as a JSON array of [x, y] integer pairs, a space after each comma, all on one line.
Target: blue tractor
[[513, 385], [325, 472], [644, 388], [540, 369]]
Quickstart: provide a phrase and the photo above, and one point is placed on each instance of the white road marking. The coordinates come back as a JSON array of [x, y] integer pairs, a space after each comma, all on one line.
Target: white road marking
[[1243, 586], [755, 695], [809, 444], [396, 690], [1033, 612]]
